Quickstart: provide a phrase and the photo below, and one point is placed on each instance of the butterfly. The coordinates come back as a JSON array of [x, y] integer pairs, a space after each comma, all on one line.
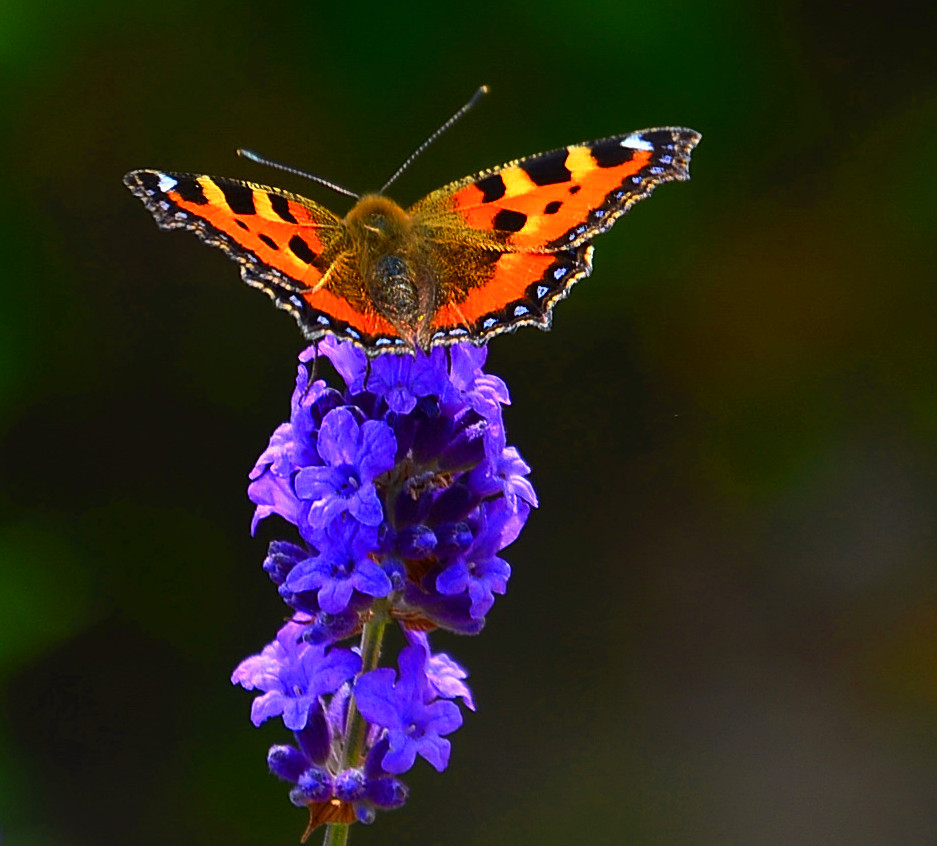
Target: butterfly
[[478, 257]]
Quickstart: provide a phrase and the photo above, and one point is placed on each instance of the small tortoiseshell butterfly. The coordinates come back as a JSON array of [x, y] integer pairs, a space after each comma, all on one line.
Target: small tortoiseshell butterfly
[[478, 257]]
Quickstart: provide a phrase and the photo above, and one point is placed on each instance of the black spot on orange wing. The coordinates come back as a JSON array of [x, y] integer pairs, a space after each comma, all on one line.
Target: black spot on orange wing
[[492, 188], [240, 198], [507, 220], [301, 250], [281, 207], [552, 207], [191, 191], [609, 152], [268, 241], [547, 168]]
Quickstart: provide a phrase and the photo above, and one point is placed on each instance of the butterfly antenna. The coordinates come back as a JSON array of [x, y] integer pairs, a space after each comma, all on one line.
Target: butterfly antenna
[[256, 157], [475, 98]]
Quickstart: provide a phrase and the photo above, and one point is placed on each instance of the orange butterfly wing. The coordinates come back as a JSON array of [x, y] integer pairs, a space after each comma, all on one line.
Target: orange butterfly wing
[[288, 246], [513, 240]]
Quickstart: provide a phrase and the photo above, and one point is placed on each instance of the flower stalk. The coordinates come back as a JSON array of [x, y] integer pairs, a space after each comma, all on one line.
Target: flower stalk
[[372, 635]]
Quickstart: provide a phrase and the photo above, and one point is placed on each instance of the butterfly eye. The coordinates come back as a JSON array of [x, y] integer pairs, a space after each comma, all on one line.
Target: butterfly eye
[[378, 222]]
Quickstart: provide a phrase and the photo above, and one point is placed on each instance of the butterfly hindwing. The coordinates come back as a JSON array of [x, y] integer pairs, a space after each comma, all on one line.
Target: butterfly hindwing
[[536, 217], [506, 290], [290, 247]]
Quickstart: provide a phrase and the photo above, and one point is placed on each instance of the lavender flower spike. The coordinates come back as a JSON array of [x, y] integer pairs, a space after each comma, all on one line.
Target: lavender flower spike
[[404, 493]]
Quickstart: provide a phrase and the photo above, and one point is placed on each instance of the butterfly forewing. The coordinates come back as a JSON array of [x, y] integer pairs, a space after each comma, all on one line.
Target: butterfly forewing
[[562, 198], [290, 247]]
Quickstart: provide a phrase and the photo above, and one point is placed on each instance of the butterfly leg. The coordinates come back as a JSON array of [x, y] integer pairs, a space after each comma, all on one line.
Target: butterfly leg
[[315, 366], [328, 273]]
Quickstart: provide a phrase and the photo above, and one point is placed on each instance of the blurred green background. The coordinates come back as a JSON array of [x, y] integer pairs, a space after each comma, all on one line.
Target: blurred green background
[[722, 625]]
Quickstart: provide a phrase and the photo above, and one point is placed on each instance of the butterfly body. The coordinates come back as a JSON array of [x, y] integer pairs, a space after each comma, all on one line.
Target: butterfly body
[[395, 262], [478, 257]]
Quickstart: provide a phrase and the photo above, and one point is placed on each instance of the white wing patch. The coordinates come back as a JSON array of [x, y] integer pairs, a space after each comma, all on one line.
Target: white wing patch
[[636, 142]]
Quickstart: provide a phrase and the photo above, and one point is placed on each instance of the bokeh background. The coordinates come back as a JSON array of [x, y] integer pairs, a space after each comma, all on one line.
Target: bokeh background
[[722, 625]]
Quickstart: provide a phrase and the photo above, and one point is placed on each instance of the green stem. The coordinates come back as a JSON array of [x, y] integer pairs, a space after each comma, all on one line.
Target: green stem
[[356, 727], [372, 635], [336, 834]]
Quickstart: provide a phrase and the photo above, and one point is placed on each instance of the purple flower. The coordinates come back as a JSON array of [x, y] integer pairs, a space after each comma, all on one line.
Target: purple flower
[[445, 676], [293, 675], [349, 361], [271, 488], [354, 456], [313, 785], [286, 762], [414, 725], [282, 557], [482, 391], [479, 571], [290, 446], [342, 566], [402, 379], [507, 475]]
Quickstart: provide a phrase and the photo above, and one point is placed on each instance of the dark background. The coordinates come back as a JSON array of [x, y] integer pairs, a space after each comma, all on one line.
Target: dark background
[[722, 625]]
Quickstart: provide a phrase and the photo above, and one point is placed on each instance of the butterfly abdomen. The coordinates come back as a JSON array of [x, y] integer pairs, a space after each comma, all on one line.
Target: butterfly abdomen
[[393, 290]]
